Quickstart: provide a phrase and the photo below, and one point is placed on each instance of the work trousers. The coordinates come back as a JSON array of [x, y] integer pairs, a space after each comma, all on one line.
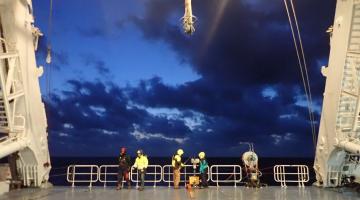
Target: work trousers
[[203, 177], [141, 175], [123, 174], [176, 175]]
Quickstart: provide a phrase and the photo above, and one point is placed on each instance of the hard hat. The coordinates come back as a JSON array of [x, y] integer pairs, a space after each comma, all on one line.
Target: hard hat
[[123, 150], [178, 158], [180, 152], [140, 151], [202, 155]]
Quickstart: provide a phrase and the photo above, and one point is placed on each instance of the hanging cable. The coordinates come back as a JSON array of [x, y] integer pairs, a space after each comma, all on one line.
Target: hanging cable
[[302, 65], [48, 51]]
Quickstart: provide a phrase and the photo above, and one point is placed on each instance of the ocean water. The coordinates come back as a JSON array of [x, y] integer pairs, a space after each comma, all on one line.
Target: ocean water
[[60, 164]]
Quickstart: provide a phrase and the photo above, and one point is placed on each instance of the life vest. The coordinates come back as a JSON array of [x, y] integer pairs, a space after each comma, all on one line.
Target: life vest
[[176, 161]]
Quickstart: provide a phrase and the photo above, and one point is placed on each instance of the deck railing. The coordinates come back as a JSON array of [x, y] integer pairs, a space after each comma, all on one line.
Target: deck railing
[[82, 174], [186, 171], [218, 174], [291, 174], [154, 174], [226, 174], [109, 174]]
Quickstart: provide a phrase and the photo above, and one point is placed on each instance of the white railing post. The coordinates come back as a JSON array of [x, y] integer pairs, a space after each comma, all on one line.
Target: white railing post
[[217, 176], [91, 176], [137, 178], [155, 177], [234, 176], [299, 176], [184, 176], [73, 177], [105, 175], [284, 176], [169, 174]]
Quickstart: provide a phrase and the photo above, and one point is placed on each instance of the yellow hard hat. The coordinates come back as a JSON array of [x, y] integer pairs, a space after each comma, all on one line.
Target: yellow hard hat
[[180, 152], [202, 155]]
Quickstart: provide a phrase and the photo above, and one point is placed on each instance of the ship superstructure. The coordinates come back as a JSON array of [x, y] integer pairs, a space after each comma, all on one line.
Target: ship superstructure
[[23, 124], [338, 146]]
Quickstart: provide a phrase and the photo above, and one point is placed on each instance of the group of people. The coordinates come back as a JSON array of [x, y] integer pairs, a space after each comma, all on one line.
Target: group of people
[[141, 164]]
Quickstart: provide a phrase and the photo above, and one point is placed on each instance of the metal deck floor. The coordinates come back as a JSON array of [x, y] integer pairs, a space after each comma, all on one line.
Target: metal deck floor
[[164, 193]]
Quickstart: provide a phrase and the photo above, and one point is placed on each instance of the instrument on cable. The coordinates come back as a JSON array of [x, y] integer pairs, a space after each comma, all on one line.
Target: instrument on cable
[[250, 161], [194, 180]]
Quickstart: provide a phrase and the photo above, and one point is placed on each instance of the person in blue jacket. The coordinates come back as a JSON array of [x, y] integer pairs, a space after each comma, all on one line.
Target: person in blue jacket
[[203, 170]]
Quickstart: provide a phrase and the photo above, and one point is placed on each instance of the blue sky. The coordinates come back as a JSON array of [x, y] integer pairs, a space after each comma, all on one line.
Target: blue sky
[[124, 74], [101, 31]]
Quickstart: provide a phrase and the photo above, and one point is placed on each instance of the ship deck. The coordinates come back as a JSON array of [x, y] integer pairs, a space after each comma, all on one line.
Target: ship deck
[[165, 193]]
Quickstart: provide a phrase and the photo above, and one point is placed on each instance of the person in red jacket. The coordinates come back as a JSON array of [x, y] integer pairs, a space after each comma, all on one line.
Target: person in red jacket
[[124, 168]]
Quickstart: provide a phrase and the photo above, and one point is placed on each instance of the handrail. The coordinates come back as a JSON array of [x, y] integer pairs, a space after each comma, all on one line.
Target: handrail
[[299, 174], [236, 173], [71, 171], [106, 173], [154, 170], [187, 170], [218, 174]]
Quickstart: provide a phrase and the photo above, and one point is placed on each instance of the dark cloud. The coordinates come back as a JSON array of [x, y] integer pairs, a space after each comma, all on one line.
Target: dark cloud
[[99, 64], [96, 119], [251, 45], [249, 90]]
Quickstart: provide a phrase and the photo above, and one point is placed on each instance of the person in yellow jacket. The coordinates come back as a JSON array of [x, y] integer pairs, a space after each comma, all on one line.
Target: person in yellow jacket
[[141, 163], [177, 165]]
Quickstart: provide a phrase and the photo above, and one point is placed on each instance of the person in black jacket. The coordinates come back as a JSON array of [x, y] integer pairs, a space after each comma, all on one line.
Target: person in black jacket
[[124, 168]]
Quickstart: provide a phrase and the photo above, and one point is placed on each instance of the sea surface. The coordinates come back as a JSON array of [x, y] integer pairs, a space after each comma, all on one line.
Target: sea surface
[[60, 164]]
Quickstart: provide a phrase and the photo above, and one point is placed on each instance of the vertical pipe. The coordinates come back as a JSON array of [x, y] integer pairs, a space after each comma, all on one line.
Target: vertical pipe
[[169, 174], [105, 175], [155, 177], [235, 176], [184, 176], [73, 176], [137, 178], [91, 176], [217, 176]]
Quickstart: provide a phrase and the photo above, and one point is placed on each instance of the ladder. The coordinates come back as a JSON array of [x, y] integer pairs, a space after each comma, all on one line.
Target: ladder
[[11, 89]]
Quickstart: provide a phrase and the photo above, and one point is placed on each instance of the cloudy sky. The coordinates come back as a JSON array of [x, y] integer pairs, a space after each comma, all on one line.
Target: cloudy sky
[[124, 74]]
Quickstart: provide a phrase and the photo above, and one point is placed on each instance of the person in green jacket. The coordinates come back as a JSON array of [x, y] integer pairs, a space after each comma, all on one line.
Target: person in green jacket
[[203, 170]]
